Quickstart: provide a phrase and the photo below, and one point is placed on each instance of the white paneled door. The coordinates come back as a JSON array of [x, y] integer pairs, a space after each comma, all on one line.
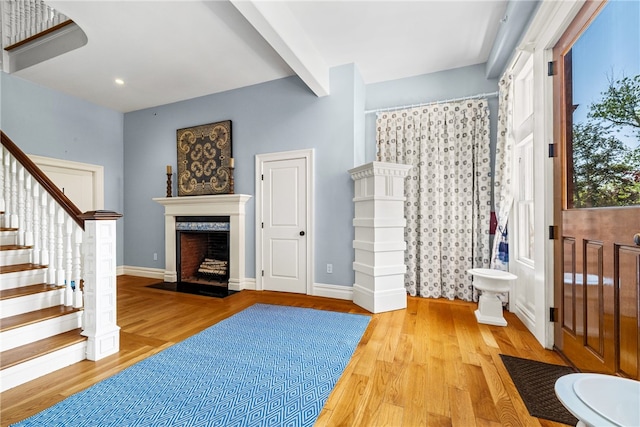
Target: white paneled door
[[284, 232]]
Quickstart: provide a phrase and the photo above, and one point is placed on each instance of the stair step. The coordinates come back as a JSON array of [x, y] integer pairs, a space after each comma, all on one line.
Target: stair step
[[39, 348], [27, 290], [5, 269], [13, 247], [8, 236], [14, 276], [15, 254], [33, 317]]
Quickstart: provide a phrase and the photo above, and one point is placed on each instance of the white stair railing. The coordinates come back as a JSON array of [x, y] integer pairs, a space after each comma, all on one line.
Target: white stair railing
[[22, 19], [34, 212], [76, 248]]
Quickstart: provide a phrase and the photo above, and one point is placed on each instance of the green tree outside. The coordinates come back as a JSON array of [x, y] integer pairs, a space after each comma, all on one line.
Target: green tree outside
[[606, 170]]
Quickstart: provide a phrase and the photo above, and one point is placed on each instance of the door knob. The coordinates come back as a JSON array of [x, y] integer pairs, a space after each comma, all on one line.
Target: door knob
[[302, 233], [636, 239]]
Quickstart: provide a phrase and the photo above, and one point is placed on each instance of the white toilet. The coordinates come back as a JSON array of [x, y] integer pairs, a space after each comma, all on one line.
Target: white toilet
[[600, 400], [491, 282]]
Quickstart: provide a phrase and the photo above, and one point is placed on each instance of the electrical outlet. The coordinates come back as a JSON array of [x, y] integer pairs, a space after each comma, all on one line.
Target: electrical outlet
[[329, 268], [155, 256]]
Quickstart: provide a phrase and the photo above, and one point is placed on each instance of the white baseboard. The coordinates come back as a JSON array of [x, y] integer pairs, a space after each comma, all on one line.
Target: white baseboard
[[249, 283], [152, 273], [333, 291], [319, 289]]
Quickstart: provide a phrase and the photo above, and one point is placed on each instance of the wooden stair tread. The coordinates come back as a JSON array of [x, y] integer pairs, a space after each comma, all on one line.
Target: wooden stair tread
[[27, 290], [13, 247], [35, 316], [40, 348], [8, 229], [20, 267]]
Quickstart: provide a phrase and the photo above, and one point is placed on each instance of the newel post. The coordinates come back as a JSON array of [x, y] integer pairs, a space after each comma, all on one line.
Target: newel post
[[99, 259]]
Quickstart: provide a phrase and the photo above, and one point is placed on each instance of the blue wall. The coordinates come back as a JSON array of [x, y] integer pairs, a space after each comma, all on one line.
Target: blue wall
[[281, 115], [48, 123], [450, 84]]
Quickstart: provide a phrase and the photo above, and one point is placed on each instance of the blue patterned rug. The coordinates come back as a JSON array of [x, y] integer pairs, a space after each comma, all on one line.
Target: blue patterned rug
[[268, 365]]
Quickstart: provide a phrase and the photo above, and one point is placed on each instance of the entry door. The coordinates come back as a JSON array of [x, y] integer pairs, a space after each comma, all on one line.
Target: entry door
[[598, 191], [284, 225]]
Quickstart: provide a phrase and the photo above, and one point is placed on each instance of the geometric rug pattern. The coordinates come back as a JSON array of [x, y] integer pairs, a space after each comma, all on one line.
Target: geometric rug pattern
[[267, 365], [535, 382]]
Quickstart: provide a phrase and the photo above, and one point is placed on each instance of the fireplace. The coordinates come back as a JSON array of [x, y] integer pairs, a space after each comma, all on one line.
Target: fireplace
[[199, 210], [203, 250]]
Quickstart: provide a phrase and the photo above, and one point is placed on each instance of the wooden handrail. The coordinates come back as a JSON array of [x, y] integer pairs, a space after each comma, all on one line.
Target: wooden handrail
[[43, 179], [38, 35]]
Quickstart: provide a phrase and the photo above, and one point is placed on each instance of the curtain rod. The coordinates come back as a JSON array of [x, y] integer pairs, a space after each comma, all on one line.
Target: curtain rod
[[464, 98]]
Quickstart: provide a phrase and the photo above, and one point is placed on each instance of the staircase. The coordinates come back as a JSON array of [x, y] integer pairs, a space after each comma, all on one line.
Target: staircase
[[38, 333], [47, 246]]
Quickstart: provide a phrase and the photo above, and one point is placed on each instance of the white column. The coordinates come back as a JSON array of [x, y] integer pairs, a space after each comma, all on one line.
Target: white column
[[379, 236], [99, 250], [170, 260], [236, 251]]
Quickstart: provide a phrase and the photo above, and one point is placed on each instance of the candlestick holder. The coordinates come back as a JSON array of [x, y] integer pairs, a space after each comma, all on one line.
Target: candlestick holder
[[169, 191], [231, 189]]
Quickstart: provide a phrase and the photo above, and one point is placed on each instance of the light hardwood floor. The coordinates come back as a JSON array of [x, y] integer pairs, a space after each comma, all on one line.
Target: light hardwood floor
[[431, 364]]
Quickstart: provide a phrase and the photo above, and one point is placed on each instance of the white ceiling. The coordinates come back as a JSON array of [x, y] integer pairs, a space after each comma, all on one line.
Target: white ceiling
[[168, 51]]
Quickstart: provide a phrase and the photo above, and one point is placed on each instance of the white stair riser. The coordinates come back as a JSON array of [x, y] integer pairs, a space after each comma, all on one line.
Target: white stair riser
[[29, 333], [27, 303], [22, 278], [8, 238], [45, 364], [15, 256]]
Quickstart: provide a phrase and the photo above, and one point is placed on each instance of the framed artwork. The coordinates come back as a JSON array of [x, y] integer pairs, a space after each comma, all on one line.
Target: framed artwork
[[204, 159]]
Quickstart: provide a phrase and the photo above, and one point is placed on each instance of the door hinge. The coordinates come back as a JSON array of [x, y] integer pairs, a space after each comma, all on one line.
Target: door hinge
[[552, 150], [262, 273], [263, 225], [553, 314], [553, 232], [262, 177], [551, 68]]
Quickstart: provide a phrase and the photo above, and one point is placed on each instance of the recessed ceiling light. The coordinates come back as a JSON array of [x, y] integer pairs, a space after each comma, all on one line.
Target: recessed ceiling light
[[119, 82]]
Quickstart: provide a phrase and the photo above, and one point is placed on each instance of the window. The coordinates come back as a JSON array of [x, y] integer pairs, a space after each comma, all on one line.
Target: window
[[602, 110]]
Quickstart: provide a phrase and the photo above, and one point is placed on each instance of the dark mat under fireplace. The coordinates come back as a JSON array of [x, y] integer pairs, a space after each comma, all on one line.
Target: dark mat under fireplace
[[535, 382], [194, 288]]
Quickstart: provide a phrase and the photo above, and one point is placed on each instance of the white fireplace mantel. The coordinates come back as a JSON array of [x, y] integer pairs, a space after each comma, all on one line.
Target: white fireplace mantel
[[231, 205]]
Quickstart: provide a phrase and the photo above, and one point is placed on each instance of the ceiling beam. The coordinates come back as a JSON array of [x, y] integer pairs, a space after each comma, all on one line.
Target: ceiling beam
[[277, 25]]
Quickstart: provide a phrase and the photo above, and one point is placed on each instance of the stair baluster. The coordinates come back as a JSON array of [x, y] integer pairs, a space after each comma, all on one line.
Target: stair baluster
[[28, 211], [44, 235], [21, 208], [4, 190], [35, 195], [13, 204], [52, 242], [59, 247], [77, 268], [68, 253]]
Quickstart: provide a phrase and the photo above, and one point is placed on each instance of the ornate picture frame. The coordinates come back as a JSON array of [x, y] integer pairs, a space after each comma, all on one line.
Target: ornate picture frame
[[204, 159]]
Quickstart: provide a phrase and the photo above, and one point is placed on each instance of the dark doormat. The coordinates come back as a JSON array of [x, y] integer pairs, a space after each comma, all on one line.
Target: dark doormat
[[194, 288], [535, 382]]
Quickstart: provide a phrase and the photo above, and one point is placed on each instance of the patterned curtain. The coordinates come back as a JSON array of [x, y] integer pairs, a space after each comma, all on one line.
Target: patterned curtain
[[448, 192], [503, 193]]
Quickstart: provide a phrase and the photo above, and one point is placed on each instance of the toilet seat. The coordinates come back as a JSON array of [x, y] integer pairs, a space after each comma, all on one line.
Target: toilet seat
[[574, 390]]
